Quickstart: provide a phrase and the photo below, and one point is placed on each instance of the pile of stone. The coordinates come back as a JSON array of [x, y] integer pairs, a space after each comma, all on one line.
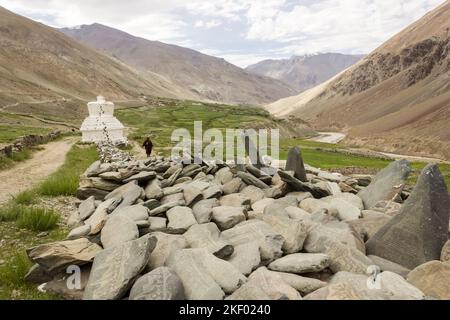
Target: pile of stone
[[158, 229], [109, 152]]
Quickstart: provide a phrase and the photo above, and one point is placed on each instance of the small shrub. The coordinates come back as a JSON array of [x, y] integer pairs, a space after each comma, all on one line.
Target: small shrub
[[37, 219], [10, 212], [26, 197]]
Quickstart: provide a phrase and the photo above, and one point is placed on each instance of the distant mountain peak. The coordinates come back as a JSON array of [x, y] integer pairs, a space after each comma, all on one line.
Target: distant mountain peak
[[305, 71]]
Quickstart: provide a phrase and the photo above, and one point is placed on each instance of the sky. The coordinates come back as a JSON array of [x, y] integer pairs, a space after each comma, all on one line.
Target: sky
[[241, 31]]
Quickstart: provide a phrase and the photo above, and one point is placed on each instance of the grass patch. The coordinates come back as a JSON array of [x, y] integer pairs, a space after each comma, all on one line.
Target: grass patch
[[10, 212], [30, 217], [13, 285], [37, 219], [19, 156], [26, 197], [9, 133], [64, 182]]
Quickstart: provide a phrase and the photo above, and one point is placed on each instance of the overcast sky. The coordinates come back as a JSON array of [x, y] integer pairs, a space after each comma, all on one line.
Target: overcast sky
[[241, 31]]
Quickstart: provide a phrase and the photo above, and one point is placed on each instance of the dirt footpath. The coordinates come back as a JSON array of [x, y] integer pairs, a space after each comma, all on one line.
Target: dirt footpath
[[27, 174]]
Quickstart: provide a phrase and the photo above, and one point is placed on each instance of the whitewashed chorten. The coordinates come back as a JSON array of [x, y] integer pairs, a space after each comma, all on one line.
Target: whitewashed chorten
[[101, 125]]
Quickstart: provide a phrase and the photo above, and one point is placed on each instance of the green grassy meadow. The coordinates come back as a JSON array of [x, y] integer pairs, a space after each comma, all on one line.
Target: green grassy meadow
[[158, 122]]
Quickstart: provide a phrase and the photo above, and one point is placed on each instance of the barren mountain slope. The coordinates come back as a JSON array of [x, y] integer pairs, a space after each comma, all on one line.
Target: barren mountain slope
[[305, 72], [396, 99], [40, 64], [204, 76]]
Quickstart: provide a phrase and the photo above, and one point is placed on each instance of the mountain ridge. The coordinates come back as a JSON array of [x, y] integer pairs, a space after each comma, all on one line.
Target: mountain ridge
[[206, 77]]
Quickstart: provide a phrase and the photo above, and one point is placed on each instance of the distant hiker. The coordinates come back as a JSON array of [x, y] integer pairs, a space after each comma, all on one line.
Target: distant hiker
[[148, 145]]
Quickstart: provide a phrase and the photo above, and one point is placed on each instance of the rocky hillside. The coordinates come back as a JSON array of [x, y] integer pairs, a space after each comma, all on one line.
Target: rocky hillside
[[166, 230], [397, 99], [206, 77], [41, 65], [305, 72]]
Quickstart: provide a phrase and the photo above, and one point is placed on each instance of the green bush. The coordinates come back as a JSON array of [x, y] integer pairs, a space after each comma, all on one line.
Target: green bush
[[37, 219]]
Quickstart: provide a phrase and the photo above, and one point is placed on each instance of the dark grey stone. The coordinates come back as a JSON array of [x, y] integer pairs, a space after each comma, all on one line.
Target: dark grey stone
[[298, 185], [295, 163], [419, 231], [252, 180], [115, 269]]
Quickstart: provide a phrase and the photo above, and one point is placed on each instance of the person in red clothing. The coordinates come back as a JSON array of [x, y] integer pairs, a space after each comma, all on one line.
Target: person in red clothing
[[148, 145]]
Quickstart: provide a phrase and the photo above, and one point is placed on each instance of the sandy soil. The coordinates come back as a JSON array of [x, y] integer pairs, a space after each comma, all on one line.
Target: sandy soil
[[30, 172]]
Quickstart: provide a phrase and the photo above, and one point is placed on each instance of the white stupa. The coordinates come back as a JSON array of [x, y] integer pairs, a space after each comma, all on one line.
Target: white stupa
[[101, 125]]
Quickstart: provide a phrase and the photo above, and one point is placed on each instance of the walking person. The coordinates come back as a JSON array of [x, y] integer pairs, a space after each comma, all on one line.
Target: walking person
[[148, 145]]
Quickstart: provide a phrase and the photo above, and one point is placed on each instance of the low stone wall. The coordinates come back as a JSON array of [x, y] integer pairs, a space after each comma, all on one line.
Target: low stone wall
[[26, 142]]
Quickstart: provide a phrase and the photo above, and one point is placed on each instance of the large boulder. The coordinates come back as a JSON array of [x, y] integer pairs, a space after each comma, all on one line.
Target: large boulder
[[166, 244], [433, 278], [301, 263], [232, 186], [235, 200], [419, 231], [136, 213], [117, 230], [159, 284], [386, 265], [386, 184], [350, 286], [208, 236], [153, 190], [263, 284], [246, 257], [304, 285], [335, 230], [98, 219], [129, 193], [141, 177], [295, 163], [252, 180], [56, 256], [253, 193], [204, 276], [343, 257], [87, 208], [298, 185], [227, 217], [180, 218], [115, 269], [293, 231], [269, 241]]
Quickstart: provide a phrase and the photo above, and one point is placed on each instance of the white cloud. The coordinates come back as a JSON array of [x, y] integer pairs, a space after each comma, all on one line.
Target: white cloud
[[241, 31], [349, 25]]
